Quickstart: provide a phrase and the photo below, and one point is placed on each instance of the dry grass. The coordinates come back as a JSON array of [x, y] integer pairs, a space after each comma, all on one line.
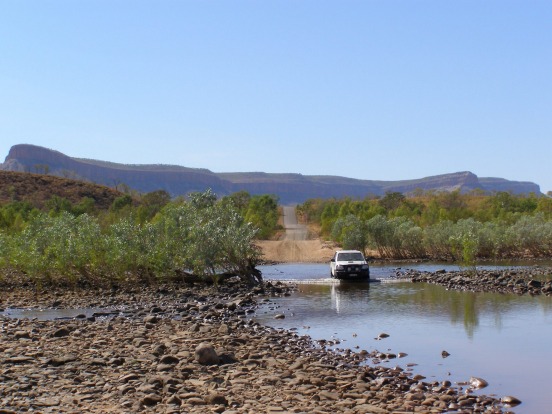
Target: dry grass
[[39, 188]]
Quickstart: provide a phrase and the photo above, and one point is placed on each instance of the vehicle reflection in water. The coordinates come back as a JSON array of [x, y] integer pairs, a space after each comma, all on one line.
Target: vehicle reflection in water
[[344, 294]]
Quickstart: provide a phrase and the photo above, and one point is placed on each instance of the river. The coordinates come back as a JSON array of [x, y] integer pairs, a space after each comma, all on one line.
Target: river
[[504, 339]]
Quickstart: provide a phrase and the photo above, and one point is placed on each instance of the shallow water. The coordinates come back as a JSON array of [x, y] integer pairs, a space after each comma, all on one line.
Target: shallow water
[[51, 314], [504, 339]]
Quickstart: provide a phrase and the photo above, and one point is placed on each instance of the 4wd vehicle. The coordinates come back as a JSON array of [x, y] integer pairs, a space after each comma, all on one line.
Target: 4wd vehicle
[[349, 264]]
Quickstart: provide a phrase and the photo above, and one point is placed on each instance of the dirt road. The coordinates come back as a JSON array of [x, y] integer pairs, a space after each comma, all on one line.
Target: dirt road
[[295, 246]]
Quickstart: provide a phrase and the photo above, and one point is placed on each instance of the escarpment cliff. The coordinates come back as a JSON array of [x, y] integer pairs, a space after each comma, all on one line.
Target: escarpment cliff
[[144, 178], [290, 188]]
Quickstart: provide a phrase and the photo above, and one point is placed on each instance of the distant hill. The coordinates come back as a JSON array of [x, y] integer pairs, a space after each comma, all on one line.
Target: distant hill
[[290, 188], [39, 188]]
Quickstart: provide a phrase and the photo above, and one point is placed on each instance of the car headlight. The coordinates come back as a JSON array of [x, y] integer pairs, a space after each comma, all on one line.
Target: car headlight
[[339, 267], [365, 267]]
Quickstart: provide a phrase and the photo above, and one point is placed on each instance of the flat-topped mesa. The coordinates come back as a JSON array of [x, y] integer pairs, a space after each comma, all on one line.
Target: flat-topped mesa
[[290, 188], [144, 178]]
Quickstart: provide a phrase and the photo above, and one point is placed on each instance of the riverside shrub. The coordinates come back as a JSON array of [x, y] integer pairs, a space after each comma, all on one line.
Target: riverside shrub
[[202, 236], [440, 225]]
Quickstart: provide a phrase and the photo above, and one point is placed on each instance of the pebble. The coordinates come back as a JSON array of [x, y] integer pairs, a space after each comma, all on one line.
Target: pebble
[[167, 355], [516, 281]]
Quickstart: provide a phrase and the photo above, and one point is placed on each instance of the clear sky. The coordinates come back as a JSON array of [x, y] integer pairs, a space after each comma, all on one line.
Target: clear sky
[[384, 90]]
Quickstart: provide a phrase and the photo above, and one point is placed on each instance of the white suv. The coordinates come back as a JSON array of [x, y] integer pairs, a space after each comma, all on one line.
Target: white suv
[[349, 264]]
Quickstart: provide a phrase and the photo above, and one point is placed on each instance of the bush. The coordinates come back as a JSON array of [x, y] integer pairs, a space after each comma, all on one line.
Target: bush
[[203, 236], [351, 232]]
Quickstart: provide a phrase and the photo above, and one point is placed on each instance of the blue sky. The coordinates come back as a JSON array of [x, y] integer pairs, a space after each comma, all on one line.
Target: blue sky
[[383, 90]]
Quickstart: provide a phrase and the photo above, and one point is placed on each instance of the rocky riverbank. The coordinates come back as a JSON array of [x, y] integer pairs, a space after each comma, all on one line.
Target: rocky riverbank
[[530, 280], [181, 349]]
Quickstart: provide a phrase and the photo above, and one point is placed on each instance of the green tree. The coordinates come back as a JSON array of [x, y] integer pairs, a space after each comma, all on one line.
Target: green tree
[[351, 232], [392, 200], [263, 214], [150, 204]]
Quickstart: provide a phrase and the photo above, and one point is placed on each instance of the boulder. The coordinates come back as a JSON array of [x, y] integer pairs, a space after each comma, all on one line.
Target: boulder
[[510, 401], [205, 354], [478, 382], [61, 332]]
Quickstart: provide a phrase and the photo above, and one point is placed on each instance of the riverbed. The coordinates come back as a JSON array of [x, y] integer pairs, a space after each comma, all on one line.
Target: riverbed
[[502, 338]]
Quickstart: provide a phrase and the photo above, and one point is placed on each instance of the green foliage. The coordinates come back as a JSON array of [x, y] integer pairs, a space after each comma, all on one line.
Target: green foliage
[[58, 205], [241, 201], [464, 242], [398, 237], [392, 201], [450, 226], [55, 246], [263, 213], [203, 236], [121, 202], [151, 204], [15, 215], [351, 232]]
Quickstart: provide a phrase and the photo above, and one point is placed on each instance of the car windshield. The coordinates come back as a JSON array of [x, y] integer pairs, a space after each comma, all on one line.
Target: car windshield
[[349, 257]]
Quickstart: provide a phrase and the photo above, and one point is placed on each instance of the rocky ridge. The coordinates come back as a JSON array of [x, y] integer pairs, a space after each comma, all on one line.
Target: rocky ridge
[[290, 188]]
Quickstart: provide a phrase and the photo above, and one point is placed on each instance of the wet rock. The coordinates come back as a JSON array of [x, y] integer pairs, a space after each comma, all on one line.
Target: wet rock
[[478, 382], [510, 401], [534, 284]]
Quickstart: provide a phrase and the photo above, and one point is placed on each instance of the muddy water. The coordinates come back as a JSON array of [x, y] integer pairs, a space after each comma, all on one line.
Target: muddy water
[[504, 339]]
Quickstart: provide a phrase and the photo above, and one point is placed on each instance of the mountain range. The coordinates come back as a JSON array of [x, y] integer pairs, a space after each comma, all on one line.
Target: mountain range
[[290, 188]]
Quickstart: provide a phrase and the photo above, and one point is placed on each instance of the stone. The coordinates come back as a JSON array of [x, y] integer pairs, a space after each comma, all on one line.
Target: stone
[[216, 399], [205, 354], [151, 319], [22, 335], [226, 358], [62, 360], [169, 360], [478, 382], [129, 377], [510, 401], [61, 332], [19, 360], [151, 400]]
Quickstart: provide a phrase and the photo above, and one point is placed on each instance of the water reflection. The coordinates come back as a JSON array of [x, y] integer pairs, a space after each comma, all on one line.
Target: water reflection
[[499, 337], [344, 295], [406, 300]]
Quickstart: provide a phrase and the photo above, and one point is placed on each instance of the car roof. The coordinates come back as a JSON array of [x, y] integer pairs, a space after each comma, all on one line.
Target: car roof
[[348, 251]]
